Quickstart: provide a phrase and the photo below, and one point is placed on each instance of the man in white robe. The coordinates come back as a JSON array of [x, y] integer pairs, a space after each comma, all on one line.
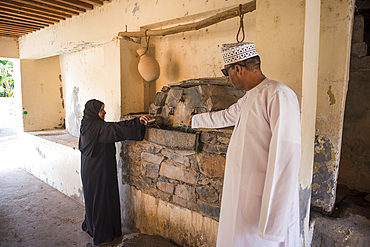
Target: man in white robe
[[260, 201]]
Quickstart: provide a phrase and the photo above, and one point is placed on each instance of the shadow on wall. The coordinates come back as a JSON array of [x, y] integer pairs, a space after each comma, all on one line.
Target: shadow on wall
[[75, 115]]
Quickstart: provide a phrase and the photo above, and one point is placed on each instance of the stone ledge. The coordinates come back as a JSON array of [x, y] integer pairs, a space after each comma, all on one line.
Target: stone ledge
[[172, 138], [57, 136]]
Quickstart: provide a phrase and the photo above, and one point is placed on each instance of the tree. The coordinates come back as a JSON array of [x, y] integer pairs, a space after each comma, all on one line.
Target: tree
[[6, 78]]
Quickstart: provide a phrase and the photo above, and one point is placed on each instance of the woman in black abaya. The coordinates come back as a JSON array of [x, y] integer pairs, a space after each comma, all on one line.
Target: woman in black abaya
[[99, 169]]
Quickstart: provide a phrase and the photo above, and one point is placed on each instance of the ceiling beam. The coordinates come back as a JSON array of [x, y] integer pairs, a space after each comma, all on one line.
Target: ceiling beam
[[26, 15], [40, 10], [12, 21], [62, 5], [47, 6], [30, 13], [94, 2], [78, 4]]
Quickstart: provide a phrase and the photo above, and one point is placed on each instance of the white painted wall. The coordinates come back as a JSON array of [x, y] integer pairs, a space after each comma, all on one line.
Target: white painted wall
[[92, 73], [54, 163]]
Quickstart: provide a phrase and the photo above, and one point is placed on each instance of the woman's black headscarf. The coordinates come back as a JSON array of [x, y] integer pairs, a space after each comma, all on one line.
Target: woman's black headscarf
[[91, 124]]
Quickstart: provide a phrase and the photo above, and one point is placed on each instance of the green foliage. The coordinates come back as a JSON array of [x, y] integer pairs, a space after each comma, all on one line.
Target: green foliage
[[6, 78]]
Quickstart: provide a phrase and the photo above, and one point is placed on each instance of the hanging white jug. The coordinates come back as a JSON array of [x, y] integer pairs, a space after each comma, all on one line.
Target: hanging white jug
[[148, 67]]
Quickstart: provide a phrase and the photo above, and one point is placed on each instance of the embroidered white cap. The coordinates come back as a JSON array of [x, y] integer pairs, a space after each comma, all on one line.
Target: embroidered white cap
[[236, 52]]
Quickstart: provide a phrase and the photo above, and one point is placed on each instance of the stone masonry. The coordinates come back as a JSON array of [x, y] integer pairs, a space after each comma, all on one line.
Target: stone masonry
[[189, 178]]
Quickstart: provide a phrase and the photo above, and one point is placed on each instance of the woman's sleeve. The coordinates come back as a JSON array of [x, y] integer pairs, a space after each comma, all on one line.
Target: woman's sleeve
[[283, 164], [219, 119], [123, 130]]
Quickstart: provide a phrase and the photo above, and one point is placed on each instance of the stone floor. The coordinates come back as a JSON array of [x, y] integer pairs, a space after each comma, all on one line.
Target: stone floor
[[348, 226]]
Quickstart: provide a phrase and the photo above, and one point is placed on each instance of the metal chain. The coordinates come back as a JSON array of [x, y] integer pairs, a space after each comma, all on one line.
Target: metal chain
[[241, 26]]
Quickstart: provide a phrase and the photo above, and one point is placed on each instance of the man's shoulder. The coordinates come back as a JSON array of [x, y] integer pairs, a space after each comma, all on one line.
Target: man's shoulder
[[273, 87]]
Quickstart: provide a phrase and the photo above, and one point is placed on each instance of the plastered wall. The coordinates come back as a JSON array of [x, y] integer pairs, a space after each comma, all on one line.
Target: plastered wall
[[42, 98], [9, 47], [55, 164], [100, 25], [334, 57], [197, 54], [93, 73]]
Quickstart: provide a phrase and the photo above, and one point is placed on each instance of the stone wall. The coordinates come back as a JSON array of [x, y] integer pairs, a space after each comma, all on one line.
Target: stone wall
[[190, 176], [354, 168]]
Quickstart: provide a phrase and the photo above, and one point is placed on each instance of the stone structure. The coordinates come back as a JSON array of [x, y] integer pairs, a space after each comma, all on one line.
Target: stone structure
[[177, 102], [185, 168]]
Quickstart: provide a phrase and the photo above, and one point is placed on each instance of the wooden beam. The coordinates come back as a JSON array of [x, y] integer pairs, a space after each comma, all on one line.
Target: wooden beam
[[13, 31], [47, 6], [93, 2], [14, 14], [78, 3], [21, 12], [10, 35], [2, 27], [63, 5], [12, 21], [245, 8], [40, 10]]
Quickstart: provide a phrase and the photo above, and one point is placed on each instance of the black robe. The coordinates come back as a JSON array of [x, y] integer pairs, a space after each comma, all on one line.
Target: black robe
[[99, 175]]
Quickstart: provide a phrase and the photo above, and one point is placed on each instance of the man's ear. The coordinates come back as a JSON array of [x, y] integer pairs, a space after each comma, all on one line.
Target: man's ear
[[237, 67]]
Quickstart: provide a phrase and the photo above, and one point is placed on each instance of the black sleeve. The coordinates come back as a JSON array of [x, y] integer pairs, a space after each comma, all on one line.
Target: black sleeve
[[123, 130]]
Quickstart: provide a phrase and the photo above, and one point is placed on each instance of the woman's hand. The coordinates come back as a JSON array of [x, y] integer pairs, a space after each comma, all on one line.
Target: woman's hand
[[145, 118]]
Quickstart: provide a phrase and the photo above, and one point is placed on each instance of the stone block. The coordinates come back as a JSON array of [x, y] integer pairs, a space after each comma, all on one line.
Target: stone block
[[165, 187], [212, 165], [219, 102], [193, 163], [153, 109], [150, 147], [134, 169], [207, 137], [217, 183], [159, 194], [223, 139], [359, 49], [139, 183], [152, 158], [222, 149], [185, 192], [209, 210], [147, 181], [165, 89], [185, 203], [176, 157], [207, 193], [172, 139], [149, 170], [160, 99], [209, 148], [358, 29], [178, 173]]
